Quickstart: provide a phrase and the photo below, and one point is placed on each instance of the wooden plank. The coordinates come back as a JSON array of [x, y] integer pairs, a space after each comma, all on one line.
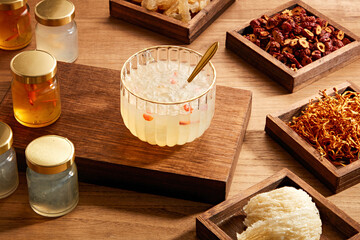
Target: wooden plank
[[168, 26], [279, 72], [225, 219], [335, 178], [108, 154]]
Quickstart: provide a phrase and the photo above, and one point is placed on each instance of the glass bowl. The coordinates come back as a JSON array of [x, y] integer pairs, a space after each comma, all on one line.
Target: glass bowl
[[166, 123]]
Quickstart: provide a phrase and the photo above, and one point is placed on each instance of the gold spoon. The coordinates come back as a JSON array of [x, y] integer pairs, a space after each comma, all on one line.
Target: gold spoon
[[204, 60]]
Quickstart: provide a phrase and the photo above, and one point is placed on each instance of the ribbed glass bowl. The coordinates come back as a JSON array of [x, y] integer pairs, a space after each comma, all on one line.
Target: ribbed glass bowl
[[167, 123]]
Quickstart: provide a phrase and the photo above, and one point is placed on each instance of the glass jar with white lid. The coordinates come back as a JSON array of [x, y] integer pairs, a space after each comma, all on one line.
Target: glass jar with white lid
[[56, 31], [52, 175], [9, 179]]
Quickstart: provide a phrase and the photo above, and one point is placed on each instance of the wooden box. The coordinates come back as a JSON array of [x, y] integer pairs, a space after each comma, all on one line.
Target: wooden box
[[226, 219], [168, 26], [335, 178], [108, 154], [279, 72]]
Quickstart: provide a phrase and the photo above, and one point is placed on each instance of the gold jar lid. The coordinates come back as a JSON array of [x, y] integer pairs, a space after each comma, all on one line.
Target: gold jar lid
[[6, 5], [33, 67], [6, 138], [50, 154], [54, 12]]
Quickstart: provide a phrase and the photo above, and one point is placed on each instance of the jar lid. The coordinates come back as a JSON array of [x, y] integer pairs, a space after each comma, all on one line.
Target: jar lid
[[6, 5], [33, 67], [6, 137], [54, 12], [50, 154]]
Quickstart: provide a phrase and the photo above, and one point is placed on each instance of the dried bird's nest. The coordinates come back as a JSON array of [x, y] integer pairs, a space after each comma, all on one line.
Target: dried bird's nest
[[179, 9]]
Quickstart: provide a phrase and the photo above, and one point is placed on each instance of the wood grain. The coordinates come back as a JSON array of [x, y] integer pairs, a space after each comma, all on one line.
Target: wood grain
[[279, 72], [108, 154], [112, 213], [223, 221]]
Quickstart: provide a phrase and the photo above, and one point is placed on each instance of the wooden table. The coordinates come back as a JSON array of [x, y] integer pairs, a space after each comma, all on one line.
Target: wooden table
[[109, 213]]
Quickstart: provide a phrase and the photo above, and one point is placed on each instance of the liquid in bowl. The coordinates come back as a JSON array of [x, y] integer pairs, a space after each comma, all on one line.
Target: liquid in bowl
[[158, 105]]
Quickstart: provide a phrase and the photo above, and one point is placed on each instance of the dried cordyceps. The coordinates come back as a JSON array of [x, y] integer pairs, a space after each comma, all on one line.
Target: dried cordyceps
[[332, 125], [296, 32]]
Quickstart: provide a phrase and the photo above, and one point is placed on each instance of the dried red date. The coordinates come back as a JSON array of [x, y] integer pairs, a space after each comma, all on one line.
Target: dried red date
[[346, 41], [298, 11], [278, 36], [315, 55], [286, 26], [255, 23], [338, 43], [339, 34], [307, 33], [320, 46], [264, 34], [297, 30], [318, 29], [296, 38], [325, 38], [328, 46], [306, 60]]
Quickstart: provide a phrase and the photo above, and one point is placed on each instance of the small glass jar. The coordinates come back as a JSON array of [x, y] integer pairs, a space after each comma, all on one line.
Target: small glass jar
[[56, 30], [9, 179], [35, 88], [15, 24], [52, 175]]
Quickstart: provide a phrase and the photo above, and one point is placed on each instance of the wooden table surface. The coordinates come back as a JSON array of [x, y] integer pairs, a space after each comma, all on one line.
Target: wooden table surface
[[110, 213]]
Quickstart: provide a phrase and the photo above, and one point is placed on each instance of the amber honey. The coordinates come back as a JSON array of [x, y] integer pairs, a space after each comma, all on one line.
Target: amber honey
[[15, 25], [36, 105], [35, 89]]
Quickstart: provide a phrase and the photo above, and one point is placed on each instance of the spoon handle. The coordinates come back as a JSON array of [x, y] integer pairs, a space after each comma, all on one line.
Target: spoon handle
[[204, 60]]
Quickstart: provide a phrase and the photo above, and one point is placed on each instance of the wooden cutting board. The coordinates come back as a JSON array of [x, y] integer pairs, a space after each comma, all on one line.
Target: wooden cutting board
[[108, 154]]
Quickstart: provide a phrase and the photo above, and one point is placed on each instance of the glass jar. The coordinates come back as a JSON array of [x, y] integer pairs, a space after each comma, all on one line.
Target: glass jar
[[52, 175], [9, 179], [56, 30], [15, 25], [35, 88]]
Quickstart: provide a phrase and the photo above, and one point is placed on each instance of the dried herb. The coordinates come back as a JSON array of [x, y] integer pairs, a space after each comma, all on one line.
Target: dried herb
[[332, 125]]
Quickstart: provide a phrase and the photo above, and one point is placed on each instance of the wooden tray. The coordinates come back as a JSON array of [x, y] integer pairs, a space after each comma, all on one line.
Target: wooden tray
[[336, 178], [226, 219], [108, 154], [278, 71], [168, 26]]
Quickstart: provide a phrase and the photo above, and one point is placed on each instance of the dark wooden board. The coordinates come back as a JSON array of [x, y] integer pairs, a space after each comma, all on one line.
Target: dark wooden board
[[168, 26], [278, 71], [226, 219], [108, 154], [335, 178]]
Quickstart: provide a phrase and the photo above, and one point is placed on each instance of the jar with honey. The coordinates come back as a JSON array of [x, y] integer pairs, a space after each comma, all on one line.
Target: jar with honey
[[15, 25], [35, 88]]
